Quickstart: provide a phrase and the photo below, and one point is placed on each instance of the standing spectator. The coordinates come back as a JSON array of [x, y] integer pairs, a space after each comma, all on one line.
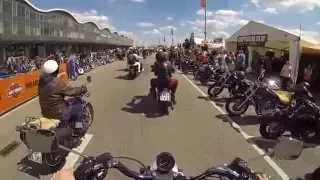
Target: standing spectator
[[241, 61], [285, 75], [307, 73], [230, 61], [72, 67]]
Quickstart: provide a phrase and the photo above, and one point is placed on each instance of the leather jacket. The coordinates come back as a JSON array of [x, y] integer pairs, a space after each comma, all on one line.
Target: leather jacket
[[163, 71], [52, 91]]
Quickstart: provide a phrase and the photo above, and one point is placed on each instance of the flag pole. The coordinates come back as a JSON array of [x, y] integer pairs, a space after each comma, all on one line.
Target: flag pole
[[205, 21]]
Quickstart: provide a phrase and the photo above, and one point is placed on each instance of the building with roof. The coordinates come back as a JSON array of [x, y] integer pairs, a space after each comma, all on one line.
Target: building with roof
[[255, 36], [28, 30]]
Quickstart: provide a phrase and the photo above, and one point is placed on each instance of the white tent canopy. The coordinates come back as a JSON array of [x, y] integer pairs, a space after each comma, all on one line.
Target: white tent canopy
[[277, 39]]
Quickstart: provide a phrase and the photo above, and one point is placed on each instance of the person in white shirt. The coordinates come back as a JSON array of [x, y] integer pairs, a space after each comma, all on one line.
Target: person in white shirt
[[285, 75]]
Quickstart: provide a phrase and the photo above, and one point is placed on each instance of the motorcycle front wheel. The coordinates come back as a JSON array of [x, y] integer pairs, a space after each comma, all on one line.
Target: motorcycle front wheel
[[215, 89], [232, 106], [197, 74], [271, 129]]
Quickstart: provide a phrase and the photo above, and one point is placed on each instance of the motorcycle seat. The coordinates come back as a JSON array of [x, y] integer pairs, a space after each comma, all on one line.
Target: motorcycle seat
[[44, 123], [284, 96]]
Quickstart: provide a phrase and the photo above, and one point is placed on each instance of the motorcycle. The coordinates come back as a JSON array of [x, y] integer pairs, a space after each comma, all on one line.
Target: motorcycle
[[264, 99], [188, 66], [133, 72], [229, 80], [301, 118], [71, 138], [165, 166], [164, 98], [79, 69]]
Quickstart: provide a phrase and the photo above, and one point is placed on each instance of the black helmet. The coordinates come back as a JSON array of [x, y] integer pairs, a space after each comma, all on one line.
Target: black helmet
[[161, 56]]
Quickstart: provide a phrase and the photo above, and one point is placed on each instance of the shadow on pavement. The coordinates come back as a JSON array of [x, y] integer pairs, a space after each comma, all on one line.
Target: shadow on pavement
[[123, 70], [218, 101], [34, 169], [264, 144], [247, 120], [123, 77], [145, 105], [241, 121]]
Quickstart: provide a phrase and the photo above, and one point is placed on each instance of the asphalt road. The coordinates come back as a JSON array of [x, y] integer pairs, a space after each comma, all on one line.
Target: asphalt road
[[126, 123]]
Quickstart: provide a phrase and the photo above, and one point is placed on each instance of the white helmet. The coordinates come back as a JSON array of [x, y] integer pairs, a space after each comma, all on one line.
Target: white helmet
[[50, 67]]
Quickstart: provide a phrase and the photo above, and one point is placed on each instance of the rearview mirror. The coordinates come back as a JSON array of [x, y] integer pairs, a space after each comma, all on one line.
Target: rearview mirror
[[288, 148], [89, 79]]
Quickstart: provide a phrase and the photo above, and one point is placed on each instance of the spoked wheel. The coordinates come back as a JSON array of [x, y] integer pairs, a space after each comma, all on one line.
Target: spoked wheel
[[232, 106], [271, 129], [197, 74], [88, 116], [215, 89], [53, 159]]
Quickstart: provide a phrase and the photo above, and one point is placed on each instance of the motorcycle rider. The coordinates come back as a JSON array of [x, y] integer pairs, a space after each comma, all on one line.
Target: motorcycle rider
[[135, 60], [51, 96], [162, 69]]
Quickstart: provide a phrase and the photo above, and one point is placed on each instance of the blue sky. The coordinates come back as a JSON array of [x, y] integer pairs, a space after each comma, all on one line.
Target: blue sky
[[151, 20]]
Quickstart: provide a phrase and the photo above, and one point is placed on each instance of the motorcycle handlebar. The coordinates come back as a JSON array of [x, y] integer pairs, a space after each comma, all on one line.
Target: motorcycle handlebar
[[96, 168]]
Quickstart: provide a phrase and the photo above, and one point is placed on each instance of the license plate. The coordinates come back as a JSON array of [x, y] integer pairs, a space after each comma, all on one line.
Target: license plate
[[35, 157], [165, 96]]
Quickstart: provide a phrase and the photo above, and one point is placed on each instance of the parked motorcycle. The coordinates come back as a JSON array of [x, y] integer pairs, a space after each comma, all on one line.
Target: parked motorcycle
[[71, 138], [229, 80], [264, 99], [165, 166], [79, 69], [301, 118]]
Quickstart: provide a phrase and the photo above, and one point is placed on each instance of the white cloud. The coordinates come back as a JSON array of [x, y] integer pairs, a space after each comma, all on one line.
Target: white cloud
[[318, 23], [301, 6], [138, 1], [271, 10], [222, 34], [100, 20], [169, 18], [127, 34], [221, 20], [145, 24], [154, 32], [201, 12], [183, 24], [167, 28]]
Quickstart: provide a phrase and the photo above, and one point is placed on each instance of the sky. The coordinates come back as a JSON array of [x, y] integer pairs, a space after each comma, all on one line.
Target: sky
[[149, 21]]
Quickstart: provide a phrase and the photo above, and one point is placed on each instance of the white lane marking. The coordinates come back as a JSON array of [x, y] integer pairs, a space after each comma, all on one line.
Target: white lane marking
[[280, 172], [72, 158]]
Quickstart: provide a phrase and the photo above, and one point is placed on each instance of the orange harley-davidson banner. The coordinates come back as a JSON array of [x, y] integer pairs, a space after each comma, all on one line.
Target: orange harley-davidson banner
[[21, 88]]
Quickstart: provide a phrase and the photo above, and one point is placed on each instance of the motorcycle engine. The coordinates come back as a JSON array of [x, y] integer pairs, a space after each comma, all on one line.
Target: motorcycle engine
[[266, 107]]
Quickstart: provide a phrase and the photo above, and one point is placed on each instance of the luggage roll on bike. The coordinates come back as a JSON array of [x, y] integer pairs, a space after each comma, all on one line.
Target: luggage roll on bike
[[40, 154], [165, 166]]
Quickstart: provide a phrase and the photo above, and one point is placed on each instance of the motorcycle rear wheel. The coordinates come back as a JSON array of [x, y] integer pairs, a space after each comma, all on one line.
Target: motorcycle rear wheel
[[236, 101], [271, 129], [89, 115]]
